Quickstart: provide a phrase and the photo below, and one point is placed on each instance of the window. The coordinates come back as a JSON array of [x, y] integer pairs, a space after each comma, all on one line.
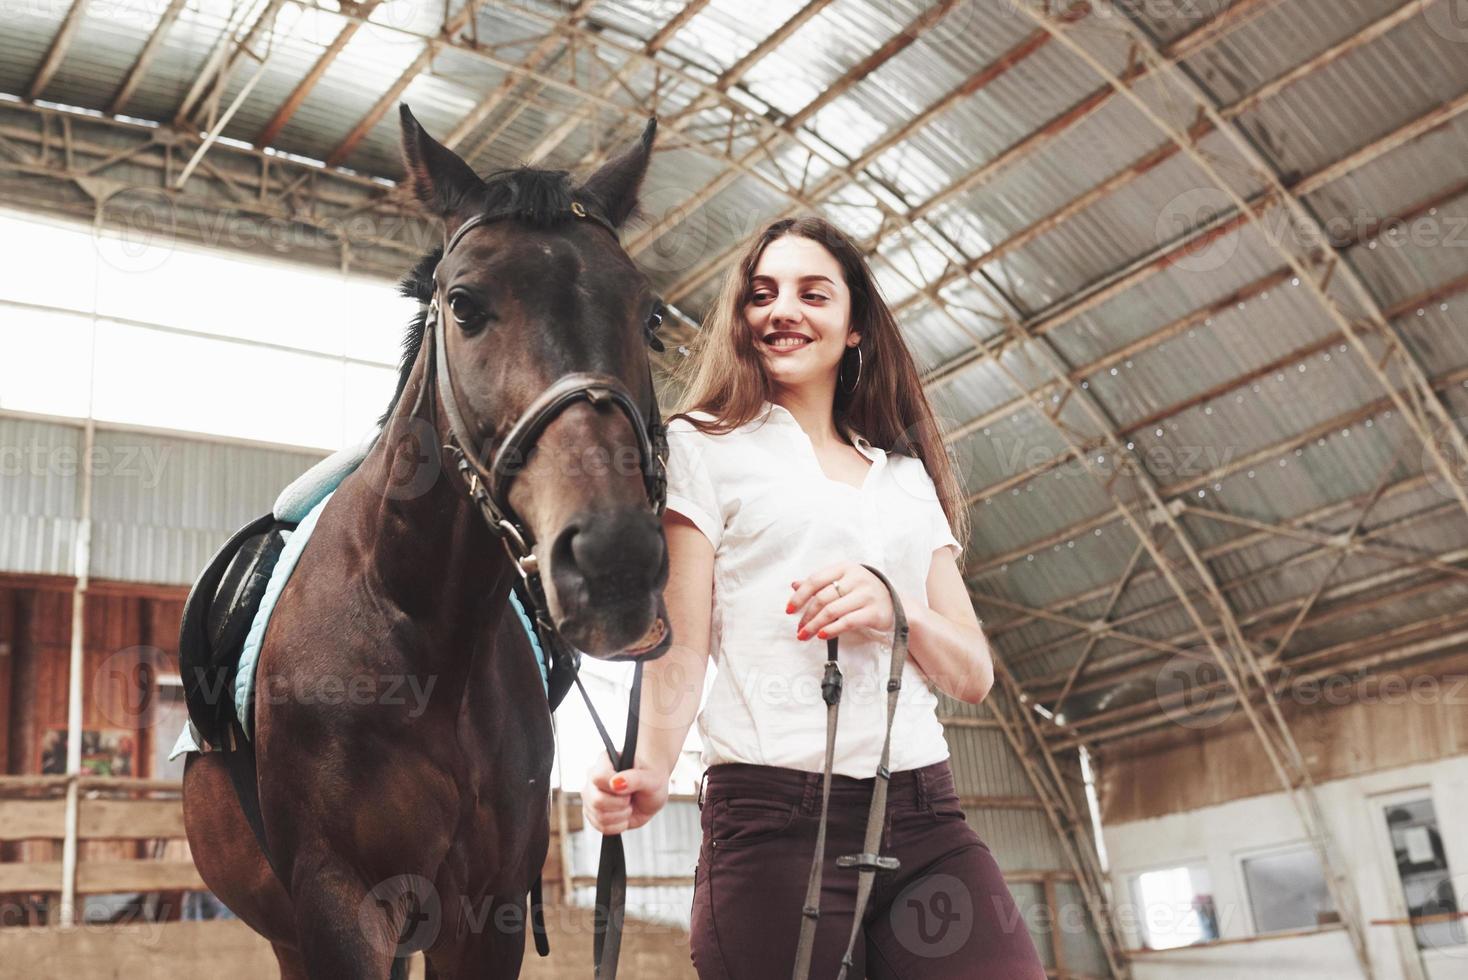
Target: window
[[1422, 870], [1287, 891], [1175, 907]]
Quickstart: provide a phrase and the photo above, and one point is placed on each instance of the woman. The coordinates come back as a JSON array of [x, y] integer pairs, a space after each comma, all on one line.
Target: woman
[[807, 451]]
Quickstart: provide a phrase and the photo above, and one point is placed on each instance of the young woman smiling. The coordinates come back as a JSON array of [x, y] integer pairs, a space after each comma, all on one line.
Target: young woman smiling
[[804, 450]]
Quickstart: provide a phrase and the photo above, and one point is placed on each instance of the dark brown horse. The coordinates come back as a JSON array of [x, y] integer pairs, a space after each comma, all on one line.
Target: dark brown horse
[[401, 730]]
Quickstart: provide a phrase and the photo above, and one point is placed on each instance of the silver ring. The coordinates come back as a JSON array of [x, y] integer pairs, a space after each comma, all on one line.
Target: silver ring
[[839, 593]]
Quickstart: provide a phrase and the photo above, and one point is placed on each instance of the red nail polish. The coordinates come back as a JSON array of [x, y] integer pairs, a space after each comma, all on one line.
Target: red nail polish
[[822, 635], [619, 783], [789, 607], [802, 635]]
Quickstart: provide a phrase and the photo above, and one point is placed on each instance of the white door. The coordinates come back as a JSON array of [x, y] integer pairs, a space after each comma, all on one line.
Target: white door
[[1421, 886]]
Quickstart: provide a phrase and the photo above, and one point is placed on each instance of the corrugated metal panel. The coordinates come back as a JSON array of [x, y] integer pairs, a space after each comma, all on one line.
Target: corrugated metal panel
[[162, 506], [39, 496], [1359, 98]]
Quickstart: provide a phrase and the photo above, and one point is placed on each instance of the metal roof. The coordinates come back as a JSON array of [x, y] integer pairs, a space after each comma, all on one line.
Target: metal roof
[[1185, 280]]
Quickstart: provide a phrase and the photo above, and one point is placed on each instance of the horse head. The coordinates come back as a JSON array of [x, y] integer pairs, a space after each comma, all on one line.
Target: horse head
[[540, 322]]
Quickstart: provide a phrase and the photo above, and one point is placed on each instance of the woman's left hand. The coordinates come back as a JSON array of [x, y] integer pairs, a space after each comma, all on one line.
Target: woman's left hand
[[839, 599]]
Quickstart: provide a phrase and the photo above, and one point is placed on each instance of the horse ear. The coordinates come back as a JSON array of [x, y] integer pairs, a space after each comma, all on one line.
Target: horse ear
[[616, 184], [440, 179]]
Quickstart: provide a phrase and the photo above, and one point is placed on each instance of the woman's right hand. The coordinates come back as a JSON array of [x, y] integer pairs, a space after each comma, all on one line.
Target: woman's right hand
[[614, 802]]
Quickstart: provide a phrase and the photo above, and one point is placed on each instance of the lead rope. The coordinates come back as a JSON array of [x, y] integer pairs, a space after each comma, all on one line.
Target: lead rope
[[611, 875], [870, 859]]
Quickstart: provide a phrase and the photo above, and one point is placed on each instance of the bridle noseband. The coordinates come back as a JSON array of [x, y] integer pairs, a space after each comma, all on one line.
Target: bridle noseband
[[489, 487]]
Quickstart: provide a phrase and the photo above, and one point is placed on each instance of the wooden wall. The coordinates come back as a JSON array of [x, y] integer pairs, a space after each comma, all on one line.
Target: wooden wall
[[1394, 719], [131, 634]]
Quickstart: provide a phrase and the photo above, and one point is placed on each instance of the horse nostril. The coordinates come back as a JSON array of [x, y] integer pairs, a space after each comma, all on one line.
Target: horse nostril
[[620, 549]]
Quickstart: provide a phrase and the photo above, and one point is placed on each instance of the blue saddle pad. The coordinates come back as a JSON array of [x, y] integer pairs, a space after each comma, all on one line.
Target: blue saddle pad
[[302, 502]]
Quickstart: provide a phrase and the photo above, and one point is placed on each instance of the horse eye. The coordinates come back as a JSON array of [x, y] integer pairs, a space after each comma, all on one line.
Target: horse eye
[[464, 309]]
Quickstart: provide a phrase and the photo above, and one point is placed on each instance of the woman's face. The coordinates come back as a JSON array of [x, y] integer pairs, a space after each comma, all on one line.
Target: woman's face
[[799, 310]]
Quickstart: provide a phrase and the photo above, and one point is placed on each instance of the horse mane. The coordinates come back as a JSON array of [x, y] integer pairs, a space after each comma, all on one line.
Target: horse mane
[[539, 198]]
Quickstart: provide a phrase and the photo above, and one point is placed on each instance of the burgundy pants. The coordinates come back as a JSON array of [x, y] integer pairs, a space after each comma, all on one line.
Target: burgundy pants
[[945, 913]]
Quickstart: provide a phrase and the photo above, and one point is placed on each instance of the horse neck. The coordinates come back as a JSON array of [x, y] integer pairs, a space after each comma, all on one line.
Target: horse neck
[[424, 542]]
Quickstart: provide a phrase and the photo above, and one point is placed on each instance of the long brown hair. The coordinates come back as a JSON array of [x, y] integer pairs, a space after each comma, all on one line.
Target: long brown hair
[[725, 377]]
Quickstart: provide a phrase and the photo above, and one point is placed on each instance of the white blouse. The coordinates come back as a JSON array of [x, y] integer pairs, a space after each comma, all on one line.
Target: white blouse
[[760, 496]]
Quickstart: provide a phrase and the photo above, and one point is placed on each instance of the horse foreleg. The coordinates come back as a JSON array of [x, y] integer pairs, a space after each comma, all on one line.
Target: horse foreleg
[[226, 853], [352, 928], [292, 967], [492, 948]]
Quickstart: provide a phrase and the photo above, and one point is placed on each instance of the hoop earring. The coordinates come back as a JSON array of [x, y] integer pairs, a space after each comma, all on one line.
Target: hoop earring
[[844, 389]]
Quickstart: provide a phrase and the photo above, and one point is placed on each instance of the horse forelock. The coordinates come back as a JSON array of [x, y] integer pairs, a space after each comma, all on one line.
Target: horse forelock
[[540, 198]]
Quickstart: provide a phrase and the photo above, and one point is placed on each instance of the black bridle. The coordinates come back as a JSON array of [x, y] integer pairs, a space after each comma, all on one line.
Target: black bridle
[[488, 489]]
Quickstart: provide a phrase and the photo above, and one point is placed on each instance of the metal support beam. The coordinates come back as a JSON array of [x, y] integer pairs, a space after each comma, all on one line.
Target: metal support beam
[[282, 115], [57, 50], [1206, 33], [885, 52], [1410, 389], [552, 140], [1441, 635], [1350, 598], [145, 58], [236, 203], [451, 29], [230, 49], [1135, 426], [1067, 822], [536, 58]]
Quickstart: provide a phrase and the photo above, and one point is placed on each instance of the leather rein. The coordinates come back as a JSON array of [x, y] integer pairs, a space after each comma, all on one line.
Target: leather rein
[[870, 860], [488, 489]]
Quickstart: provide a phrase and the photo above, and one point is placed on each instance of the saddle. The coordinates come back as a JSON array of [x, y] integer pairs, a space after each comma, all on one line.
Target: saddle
[[217, 616], [226, 599]]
